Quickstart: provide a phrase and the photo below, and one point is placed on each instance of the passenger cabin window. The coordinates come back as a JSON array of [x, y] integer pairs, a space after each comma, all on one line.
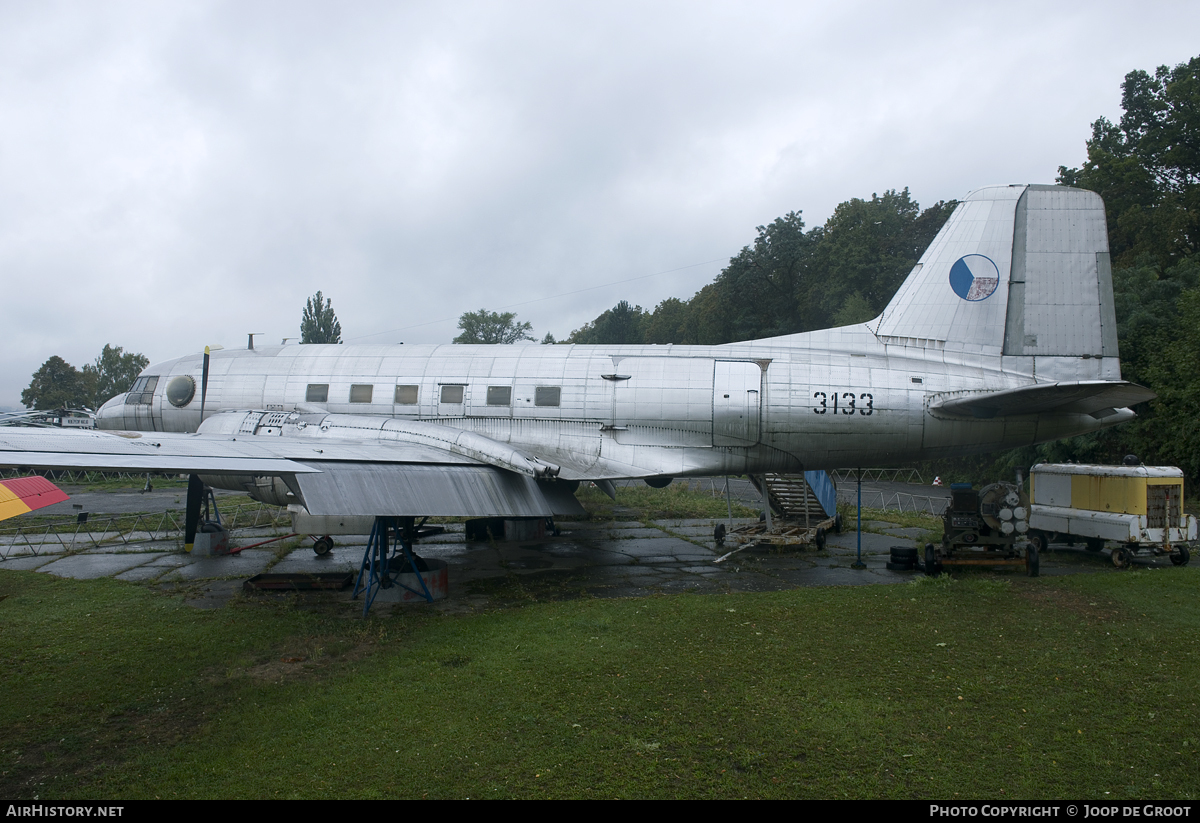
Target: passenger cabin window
[[142, 391], [547, 395], [317, 393], [499, 396], [361, 393], [452, 394], [406, 395]]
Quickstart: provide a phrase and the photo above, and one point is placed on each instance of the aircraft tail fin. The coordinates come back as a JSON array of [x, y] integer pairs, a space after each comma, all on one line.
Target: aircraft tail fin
[[1020, 272]]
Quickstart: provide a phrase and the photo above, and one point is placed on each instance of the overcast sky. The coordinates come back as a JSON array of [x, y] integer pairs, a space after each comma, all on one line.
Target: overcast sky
[[179, 174]]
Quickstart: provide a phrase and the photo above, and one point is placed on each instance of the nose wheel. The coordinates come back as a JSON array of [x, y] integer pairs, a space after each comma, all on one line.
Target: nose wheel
[[322, 546]]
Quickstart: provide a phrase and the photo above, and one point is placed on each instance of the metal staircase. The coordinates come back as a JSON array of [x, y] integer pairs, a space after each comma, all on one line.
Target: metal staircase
[[791, 497]]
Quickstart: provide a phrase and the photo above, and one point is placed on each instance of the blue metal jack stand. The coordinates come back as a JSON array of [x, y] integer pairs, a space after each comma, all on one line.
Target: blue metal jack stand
[[378, 560]]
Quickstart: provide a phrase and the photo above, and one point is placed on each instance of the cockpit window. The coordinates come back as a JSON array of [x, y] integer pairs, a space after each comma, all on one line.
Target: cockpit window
[[142, 391]]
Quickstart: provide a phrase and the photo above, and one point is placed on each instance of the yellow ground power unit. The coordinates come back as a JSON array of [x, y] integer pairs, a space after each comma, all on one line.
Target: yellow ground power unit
[[1138, 507]]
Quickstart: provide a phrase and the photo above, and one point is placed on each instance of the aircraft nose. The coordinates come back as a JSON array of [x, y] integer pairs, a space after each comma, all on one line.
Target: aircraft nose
[[112, 414]]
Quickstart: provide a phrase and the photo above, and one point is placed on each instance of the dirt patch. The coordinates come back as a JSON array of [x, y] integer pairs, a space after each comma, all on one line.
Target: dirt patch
[[1090, 608]]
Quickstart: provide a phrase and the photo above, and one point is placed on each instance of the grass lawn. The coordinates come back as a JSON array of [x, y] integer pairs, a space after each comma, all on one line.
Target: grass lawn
[[975, 687]]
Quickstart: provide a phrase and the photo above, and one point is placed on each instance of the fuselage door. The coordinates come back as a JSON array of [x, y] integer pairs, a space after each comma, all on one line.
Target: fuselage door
[[737, 402]]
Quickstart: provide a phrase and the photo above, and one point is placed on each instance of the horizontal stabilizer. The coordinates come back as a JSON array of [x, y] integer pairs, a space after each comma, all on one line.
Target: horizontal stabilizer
[[24, 494], [1080, 397]]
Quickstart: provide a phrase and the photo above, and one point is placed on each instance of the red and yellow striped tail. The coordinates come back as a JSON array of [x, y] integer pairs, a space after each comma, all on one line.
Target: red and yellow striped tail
[[24, 494]]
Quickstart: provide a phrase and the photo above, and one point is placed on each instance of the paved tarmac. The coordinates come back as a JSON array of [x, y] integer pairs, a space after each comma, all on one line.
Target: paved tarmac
[[620, 558]]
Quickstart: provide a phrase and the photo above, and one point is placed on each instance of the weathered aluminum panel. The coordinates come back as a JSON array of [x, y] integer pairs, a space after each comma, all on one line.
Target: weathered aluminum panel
[[663, 400], [442, 491], [1061, 299], [1052, 490], [964, 308], [736, 402]]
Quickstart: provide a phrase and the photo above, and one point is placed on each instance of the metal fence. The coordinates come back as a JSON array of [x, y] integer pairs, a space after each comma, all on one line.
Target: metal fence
[[73, 477], [878, 475], [899, 501], [73, 535]]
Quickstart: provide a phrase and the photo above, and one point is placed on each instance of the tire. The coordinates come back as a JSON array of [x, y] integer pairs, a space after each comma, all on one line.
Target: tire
[[837, 524], [1095, 544], [1120, 557], [719, 534], [819, 540], [1181, 557], [931, 564], [1033, 563], [901, 567], [323, 545], [904, 554], [1038, 541]]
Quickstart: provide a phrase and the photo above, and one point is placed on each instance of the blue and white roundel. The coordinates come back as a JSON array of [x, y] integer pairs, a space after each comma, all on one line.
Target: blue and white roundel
[[974, 277]]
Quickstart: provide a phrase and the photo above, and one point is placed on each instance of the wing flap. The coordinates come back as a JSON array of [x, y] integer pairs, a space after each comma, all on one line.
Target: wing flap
[[441, 491], [1081, 397]]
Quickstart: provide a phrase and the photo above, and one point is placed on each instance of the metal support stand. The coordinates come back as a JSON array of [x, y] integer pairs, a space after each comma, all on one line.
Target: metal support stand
[[766, 498], [378, 560], [858, 564], [728, 503]]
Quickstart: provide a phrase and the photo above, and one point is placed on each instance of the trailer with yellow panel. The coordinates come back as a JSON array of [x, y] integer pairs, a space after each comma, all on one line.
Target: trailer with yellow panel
[[1138, 507]]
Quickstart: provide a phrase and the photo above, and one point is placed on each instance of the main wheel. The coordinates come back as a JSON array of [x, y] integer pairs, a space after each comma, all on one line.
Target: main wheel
[[819, 540], [1181, 557], [1120, 557], [931, 564], [719, 534], [1095, 544], [1038, 540], [1032, 561], [837, 523]]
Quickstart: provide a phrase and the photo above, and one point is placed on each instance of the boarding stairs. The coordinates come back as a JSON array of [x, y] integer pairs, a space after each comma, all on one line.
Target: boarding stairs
[[793, 496]]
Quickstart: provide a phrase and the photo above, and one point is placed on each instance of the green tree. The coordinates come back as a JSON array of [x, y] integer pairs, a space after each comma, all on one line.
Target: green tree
[[57, 385], [620, 325], [866, 250], [485, 326], [1147, 167], [319, 324], [112, 373], [755, 295]]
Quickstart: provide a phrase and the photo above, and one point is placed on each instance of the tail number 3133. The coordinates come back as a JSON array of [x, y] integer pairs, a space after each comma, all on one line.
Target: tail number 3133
[[863, 403]]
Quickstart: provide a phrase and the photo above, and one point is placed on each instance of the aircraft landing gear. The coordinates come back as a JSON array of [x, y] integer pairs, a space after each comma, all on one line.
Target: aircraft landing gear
[[322, 546]]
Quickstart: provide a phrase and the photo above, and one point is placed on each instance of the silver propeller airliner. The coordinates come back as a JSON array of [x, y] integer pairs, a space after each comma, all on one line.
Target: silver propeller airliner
[[1003, 335]]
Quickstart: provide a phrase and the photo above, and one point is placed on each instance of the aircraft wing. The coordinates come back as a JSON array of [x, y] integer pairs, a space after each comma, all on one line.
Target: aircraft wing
[[331, 476], [1079, 397], [24, 494]]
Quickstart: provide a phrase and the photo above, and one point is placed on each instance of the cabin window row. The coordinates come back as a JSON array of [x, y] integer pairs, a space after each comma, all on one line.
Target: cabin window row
[[448, 394]]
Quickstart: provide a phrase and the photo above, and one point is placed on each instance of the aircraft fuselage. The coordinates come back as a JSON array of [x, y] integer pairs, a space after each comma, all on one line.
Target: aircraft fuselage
[[834, 398]]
